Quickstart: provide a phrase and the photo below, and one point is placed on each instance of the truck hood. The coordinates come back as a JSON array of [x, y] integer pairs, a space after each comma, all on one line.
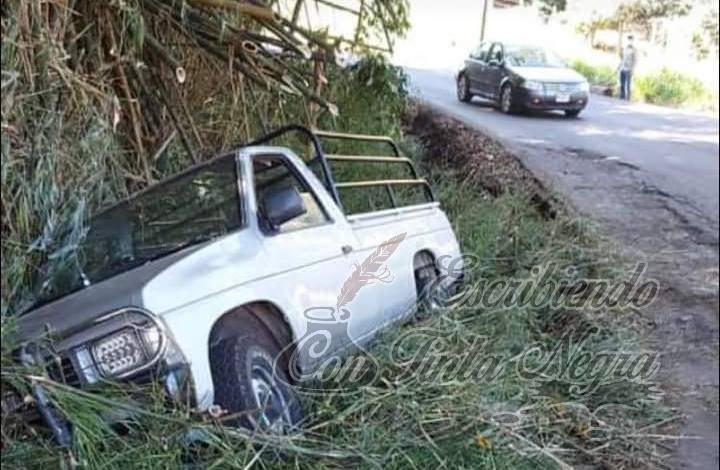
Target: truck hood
[[74, 309], [548, 74]]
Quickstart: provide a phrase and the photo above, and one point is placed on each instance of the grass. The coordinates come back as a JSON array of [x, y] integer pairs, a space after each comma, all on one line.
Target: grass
[[405, 420], [416, 422]]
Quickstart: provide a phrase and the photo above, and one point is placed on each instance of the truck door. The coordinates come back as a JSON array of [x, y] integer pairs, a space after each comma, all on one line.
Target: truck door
[[307, 255]]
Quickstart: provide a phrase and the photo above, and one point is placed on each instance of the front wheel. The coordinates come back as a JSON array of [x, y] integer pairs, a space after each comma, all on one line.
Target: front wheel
[[463, 89], [256, 394], [572, 113], [507, 99]]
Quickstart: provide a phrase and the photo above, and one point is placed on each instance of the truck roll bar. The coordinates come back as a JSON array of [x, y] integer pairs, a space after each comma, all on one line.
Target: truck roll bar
[[316, 136]]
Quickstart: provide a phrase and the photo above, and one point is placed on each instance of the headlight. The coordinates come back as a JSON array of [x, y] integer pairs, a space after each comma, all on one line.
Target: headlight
[[119, 353], [584, 86], [532, 85], [132, 340]]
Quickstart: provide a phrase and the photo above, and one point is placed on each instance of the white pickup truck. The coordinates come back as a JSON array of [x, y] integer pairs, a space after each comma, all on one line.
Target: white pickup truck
[[203, 280]]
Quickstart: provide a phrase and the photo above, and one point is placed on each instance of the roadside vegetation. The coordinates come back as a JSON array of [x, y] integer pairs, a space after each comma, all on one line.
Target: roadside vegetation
[[665, 87], [405, 420]]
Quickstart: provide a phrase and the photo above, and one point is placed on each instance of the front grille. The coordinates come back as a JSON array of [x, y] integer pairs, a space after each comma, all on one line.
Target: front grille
[[61, 369], [554, 88]]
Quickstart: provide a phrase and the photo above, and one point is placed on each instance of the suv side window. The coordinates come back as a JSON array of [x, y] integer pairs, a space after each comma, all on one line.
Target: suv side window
[[274, 171], [496, 52], [480, 53], [483, 52]]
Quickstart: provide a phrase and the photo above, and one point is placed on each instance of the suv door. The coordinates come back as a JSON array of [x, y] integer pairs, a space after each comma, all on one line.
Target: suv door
[[495, 70], [475, 67], [307, 257]]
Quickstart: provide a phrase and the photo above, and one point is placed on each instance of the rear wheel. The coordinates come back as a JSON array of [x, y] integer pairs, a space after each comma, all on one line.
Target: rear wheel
[[250, 387], [432, 297], [463, 89], [572, 113]]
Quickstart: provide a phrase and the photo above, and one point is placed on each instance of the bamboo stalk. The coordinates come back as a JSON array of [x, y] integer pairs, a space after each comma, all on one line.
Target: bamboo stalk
[[168, 58], [255, 11], [296, 11], [134, 113], [358, 26]]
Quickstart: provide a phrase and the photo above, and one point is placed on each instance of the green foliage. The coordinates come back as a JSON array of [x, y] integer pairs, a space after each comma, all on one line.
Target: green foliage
[[638, 13], [641, 12], [590, 27], [86, 123], [668, 87], [699, 47], [595, 74], [352, 88]]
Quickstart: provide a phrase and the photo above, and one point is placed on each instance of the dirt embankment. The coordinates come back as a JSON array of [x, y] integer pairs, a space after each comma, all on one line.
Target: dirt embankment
[[453, 145]]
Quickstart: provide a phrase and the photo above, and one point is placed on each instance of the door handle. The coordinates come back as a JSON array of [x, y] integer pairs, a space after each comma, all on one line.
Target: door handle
[[346, 249]]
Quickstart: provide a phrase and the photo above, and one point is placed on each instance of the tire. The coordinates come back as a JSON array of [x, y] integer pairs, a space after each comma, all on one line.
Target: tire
[[463, 89], [506, 103], [572, 113], [248, 385], [432, 298]]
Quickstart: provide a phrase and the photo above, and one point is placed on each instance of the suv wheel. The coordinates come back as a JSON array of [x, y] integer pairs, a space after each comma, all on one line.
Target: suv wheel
[[250, 387], [507, 104], [463, 89]]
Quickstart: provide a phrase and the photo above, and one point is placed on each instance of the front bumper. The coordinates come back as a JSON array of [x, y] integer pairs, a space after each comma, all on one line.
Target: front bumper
[[541, 101], [57, 362], [34, 406]]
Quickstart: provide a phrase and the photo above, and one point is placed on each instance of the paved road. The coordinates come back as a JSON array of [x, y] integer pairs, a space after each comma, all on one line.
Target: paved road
[[676, 151]]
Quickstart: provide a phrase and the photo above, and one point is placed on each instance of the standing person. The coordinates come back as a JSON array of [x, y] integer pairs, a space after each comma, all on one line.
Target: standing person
[[628, 59]]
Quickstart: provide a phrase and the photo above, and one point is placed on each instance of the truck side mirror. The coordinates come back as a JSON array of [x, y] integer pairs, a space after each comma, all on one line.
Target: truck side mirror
[[281, 204]]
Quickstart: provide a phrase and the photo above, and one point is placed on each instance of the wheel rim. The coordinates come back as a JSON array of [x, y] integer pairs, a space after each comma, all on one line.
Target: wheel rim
[[274, 413], [434, 296], [461, 87], [436, 299], [506, 99]]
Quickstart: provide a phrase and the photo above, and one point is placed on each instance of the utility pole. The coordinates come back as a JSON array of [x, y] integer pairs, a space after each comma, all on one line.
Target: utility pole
[[484, 18]]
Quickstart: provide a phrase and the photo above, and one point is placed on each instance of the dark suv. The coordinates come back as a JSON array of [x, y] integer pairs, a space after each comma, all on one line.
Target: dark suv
[[521, 77]]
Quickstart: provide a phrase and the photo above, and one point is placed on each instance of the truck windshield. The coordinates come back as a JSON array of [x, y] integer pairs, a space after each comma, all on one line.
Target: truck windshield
[[190, 208]]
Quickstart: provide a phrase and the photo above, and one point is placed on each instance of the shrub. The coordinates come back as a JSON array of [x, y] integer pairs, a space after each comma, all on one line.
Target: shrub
[[595, 74], [668, 87]]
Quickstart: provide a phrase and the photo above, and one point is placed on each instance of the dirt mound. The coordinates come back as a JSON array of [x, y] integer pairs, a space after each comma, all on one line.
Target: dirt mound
[[451, 144]]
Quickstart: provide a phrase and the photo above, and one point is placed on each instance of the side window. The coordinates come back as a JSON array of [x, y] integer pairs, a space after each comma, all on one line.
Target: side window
[[275, 172], [496, 53], [480, 53], [483, 52]]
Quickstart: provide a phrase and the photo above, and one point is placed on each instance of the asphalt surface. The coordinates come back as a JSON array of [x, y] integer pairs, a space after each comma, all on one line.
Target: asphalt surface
[[676, 151]]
